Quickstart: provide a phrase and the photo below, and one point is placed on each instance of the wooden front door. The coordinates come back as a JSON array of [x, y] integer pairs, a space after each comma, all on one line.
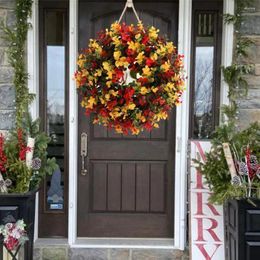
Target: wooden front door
[[128, 190]]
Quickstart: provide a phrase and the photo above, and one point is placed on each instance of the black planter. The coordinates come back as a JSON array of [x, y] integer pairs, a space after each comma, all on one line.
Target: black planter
[[20, 206], [242, 226]]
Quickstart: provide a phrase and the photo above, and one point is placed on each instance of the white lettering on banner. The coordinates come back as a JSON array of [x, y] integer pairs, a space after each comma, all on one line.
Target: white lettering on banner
[[206, 219]]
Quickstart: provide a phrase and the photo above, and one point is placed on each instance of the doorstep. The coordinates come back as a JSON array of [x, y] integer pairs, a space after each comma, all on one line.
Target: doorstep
[[58, 249]]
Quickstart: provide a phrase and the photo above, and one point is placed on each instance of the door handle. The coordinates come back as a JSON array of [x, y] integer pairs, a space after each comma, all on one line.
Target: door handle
[[83, 152]]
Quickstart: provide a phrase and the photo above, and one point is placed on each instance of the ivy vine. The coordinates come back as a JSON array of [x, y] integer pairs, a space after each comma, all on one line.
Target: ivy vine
[[234, 75], [16, 38]]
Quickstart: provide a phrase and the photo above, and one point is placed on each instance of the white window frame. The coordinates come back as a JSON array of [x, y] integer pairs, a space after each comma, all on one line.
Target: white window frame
[[182, 112]]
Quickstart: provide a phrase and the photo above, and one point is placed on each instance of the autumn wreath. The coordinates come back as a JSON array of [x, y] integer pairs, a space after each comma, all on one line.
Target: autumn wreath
[[129, 78]]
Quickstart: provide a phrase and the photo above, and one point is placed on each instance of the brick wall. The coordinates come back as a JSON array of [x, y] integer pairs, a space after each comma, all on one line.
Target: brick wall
[[7, 94], [250, 106]]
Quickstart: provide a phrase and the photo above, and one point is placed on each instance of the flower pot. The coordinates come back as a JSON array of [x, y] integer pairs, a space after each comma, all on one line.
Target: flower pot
[[242, 226], [20, 206]]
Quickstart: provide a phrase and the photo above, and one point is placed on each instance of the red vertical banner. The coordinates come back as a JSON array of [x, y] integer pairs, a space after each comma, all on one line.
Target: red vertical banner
[[206, 220]]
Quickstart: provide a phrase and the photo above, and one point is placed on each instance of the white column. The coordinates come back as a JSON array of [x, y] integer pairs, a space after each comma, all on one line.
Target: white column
[[33, 82], [33, 58], [73, 123], [182, 126], [227, 49]]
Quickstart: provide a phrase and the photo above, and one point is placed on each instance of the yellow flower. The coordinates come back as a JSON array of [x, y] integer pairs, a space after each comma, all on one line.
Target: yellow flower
[[98, 73], [131, 106], [122, 62], [140, 57], [113, 93], [154, 89], [154, 56], [135, 131], [91, 101], [116, 41], [155, 125], [107, 97], [109, 75], [161, 51], [170, 47], [138, 36], [81, 61], [85, 73], [140, 117], [144, 90], [161, 115], [115, 114], [102, 100], [166, 66], [169, 87], [146, 71], [118, 129], [109, 83], [140, 26], [106, 66], [93, 44], [153, 33], [134, 45], [115, 27], [117, 55]]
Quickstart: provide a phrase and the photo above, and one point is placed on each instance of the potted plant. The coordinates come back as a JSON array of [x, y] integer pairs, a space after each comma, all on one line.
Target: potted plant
[[232, 171], [23, 165]]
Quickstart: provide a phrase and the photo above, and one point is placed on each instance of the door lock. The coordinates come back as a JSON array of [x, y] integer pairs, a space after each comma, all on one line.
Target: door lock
[[83, 152]]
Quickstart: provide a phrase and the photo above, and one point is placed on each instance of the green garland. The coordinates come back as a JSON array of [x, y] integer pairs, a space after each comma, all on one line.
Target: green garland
[[16, 38], [234, 75]]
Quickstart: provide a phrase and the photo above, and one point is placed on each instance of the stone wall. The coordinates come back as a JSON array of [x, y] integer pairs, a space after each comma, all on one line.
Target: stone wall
[[250, 106], [7, 94]]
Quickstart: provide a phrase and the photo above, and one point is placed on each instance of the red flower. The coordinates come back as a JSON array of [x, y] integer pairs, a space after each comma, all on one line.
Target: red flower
[[126, 37], [148, 126], [130, 60], [129, 92], [145, 39], [93, 65], [111, 105], [128, 124], [130, 52], [168, 74], [142, 100], [93, 91], [146, 112], [149, 62], [159, 101], [103, 112], [119, 74], [143, 80]]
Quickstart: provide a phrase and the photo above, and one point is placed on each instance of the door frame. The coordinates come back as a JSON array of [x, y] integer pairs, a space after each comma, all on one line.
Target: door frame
[[182, 112]]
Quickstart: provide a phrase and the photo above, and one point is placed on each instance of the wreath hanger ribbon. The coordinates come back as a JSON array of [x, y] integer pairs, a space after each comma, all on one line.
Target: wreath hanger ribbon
[[129, 4]]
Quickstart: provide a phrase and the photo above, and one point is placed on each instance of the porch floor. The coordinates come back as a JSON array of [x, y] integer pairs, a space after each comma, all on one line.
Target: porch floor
[[58, 249]]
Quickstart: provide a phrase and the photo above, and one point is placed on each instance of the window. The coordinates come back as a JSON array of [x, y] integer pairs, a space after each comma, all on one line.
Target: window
[[53, 112], [205, 78]]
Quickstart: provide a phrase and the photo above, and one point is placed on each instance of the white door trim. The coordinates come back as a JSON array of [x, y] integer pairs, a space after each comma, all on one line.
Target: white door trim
[[182, 126], [73, 123], [33, 81]]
